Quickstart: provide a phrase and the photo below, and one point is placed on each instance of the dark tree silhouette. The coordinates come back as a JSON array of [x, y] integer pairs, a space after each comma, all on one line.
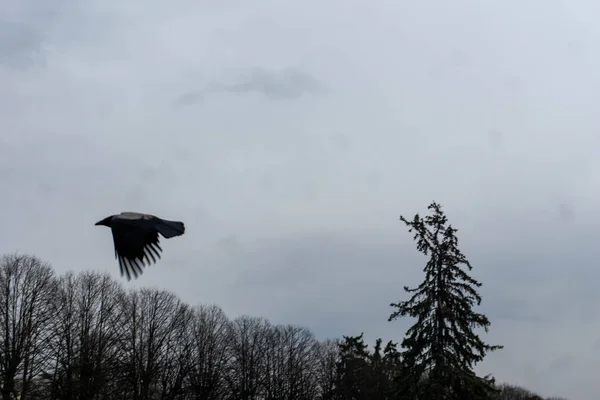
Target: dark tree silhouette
[[326, 354], [210, 353], [154, 320], [510, 392], [385, 364], [85, 336], [82, 337], [289, 359], [442, 347], [27, 294], [248, 345], [361, 374], [353, 369], [178, 349]]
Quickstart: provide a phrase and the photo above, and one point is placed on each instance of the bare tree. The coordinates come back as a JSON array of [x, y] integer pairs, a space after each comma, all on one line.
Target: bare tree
[[86, 336], [100, 333], [153, 318], [290, 373], [512, 392], [27, 305], [178, 352], [326, 364], [246, 370], [63, 340], [82, 337], [210, 353]]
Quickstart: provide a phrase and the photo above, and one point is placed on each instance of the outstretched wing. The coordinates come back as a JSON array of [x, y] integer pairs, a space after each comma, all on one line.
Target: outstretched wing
[[135, 247]]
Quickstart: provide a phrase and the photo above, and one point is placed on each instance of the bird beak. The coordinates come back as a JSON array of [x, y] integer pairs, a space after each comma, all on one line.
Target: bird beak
[[98, 223]]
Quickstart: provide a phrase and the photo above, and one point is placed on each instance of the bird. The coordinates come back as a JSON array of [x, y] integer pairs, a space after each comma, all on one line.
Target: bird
[[136, 240]]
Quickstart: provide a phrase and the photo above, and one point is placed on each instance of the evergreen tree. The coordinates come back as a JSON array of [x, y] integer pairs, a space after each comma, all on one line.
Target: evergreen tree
[[441, 348], [362, 375], [385, 368], [353, 369]]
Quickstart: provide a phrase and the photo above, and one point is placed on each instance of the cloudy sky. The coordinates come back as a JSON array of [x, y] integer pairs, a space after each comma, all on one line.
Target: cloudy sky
[[289, 137]]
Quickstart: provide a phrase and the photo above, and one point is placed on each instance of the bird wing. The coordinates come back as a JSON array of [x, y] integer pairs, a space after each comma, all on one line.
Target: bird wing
[[135, 246], [135, 215]]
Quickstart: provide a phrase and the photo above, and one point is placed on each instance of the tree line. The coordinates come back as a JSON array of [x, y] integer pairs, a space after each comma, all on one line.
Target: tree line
[[83, 336]]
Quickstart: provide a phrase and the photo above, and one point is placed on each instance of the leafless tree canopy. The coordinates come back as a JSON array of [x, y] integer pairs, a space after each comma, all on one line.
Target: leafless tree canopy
[[83, 337], [27, 295]]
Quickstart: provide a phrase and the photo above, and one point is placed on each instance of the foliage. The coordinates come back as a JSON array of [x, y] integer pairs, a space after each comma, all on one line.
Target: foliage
[[442, 347], [83, 337]]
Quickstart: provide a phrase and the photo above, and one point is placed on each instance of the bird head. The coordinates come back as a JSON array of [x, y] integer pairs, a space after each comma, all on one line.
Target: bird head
[[105, 221]]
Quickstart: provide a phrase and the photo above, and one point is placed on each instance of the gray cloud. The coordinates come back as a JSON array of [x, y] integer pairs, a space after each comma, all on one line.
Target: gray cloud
[[20, 45], [289, 83]]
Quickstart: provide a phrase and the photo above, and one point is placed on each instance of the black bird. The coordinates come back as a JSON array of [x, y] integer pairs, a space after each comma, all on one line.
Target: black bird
[[136, 239]]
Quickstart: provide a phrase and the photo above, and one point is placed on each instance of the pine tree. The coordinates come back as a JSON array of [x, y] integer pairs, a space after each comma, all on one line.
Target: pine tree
[[441, 348], [353, 370], [365, 375]]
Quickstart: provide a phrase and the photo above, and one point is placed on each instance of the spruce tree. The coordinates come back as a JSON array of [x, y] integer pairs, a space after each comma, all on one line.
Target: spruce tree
[[440, 350], [353, 369], [365, 375]]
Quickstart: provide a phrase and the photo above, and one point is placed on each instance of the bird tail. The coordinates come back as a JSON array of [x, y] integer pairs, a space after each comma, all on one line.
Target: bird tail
[[170, 229]]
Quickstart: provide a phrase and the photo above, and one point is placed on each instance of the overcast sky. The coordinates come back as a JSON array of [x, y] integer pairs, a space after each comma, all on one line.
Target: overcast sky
[[290, 135]]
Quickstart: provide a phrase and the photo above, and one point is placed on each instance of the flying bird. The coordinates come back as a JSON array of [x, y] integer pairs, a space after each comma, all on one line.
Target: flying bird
[[135, 236]]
